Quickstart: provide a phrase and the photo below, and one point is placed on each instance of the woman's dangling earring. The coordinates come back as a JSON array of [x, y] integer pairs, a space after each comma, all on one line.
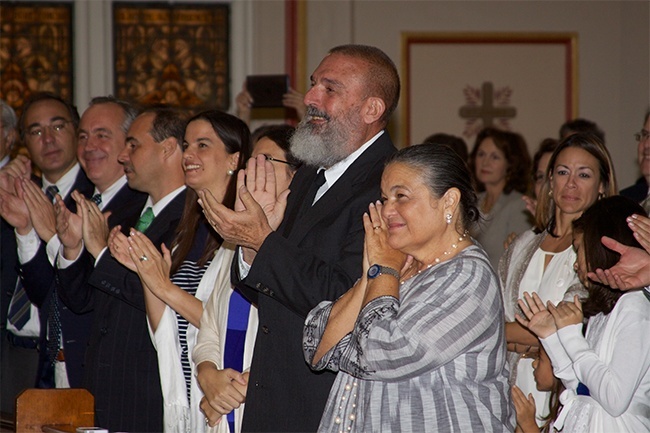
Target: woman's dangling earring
[[448, 218]]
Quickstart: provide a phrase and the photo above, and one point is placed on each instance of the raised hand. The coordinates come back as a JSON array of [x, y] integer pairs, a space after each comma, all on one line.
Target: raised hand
[[13, 208], [244, 102], [152, 266], [118, 244], [95, 225], [261, 184], [248, 228], [631, 272], [525, 409], [538, 319], [567, 313], [296, 100], [640, 225], [68, 228], [20, 167], [376, 240], [41, 209]]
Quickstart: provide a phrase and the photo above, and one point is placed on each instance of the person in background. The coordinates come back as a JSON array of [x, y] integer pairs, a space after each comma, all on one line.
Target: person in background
[[580, 172], [581, 125], [292, 100], [418, 342], [274, 141], [48, 127], [457, 144], [540, 164], [606, 370], [500, 164], [19, 357], [640, 191]]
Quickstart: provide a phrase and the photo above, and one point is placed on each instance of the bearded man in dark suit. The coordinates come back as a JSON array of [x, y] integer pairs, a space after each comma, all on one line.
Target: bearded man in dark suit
[[290, 261]]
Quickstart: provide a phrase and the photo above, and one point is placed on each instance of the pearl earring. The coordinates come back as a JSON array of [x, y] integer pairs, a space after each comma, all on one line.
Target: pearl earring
[[448, 218], [230, 172]]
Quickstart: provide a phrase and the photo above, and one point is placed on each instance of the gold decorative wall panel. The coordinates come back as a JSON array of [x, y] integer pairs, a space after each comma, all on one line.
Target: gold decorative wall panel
[[175, 54]]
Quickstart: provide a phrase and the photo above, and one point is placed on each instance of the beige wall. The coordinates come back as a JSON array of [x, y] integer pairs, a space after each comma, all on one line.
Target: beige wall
[[613, 51], [614, 47]]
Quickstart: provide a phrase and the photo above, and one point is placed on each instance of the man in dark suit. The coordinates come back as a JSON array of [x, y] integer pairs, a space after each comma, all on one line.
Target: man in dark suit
[[121, 362], [315, 254], [48, 127], [640, 191], [19, 354]]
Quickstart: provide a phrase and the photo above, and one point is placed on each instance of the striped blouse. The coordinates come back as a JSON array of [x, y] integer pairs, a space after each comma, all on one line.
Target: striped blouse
[[432, 361]]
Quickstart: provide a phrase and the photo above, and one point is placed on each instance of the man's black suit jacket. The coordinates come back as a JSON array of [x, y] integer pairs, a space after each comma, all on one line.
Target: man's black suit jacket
[[121, 362], [37, 276], [313, 256], [637, 192]]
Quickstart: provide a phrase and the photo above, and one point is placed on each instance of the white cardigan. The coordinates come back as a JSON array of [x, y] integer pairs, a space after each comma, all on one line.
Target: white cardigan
[[211, 341], [178, 416]]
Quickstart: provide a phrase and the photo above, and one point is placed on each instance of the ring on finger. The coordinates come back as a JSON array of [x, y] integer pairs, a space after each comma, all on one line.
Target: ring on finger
[[143, 258], [376, 227]]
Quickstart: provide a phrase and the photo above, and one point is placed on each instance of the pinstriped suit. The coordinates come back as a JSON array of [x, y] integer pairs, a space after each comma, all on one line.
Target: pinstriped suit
[[122, 367]]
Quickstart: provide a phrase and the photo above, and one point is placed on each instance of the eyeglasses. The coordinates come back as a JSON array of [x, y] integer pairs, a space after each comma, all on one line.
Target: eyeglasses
[[270, 158], [641, 135], [55, 128]]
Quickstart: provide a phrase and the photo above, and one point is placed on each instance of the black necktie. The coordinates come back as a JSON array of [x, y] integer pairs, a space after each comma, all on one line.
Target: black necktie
[[51, 191], [311, 194], [97, 198]]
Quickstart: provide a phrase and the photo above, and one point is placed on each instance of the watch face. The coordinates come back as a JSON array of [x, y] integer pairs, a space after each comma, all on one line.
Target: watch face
[[373, 271]]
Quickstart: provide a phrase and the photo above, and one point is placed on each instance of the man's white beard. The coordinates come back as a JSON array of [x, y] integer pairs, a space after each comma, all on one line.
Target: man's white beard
[[324, 145]]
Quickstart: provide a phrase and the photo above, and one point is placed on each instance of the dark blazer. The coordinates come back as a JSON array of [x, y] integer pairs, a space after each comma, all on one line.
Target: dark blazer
[[38, 279], [637, 192], [121, 362], [8, 268], [315, 255]]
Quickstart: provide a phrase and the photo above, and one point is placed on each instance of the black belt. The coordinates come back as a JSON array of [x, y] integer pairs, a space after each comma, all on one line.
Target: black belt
[[24, 342]]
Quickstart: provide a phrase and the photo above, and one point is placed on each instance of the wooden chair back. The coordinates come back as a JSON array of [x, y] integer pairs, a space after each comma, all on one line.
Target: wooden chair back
[[38, 407]]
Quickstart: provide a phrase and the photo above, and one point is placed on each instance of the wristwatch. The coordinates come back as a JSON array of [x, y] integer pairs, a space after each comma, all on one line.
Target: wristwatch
[[376, 270]]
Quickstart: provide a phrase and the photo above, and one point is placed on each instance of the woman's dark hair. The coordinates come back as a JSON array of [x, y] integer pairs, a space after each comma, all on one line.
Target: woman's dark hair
[[547, 145], [236, 137], [606, 217], [545, 213], [515, 151], [457, 144], [442, 170], [280, 135], [553, 402]]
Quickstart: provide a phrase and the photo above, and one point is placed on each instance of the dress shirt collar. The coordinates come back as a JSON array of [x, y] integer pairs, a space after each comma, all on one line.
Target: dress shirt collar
[[333, 173], [163, 202], [66, 182], [110, 192]]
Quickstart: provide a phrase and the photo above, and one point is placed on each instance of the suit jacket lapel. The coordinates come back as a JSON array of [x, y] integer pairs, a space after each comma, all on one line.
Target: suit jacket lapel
[[172, 212], [344, 189]]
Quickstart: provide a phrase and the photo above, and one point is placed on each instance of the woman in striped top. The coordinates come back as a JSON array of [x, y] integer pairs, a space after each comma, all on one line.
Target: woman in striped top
[[216, 145], [422, 349]]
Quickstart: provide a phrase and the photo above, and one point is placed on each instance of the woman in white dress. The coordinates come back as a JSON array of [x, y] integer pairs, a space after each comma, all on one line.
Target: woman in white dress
[[606, 371], [580, 171]]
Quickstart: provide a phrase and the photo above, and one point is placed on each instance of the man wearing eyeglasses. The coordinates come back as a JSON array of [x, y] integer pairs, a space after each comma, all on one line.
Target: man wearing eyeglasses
[[640, 191], [48, 128]]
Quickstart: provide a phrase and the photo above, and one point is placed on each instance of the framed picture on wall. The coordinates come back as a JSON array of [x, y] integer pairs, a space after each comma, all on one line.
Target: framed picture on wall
[[458, 83], [172, 53]]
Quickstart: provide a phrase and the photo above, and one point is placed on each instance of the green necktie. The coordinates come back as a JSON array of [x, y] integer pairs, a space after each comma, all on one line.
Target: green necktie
[[145, 220]]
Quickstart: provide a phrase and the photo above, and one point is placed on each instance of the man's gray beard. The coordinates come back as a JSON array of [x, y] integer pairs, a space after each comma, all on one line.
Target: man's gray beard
[[318, 149]]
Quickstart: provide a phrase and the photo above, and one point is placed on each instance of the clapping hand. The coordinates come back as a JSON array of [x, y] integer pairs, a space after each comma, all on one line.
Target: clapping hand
[[152, 266], [538, 319], [567, 313]]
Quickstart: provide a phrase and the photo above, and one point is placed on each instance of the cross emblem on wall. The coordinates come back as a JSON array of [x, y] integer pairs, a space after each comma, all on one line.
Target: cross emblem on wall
[[487, 111]]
